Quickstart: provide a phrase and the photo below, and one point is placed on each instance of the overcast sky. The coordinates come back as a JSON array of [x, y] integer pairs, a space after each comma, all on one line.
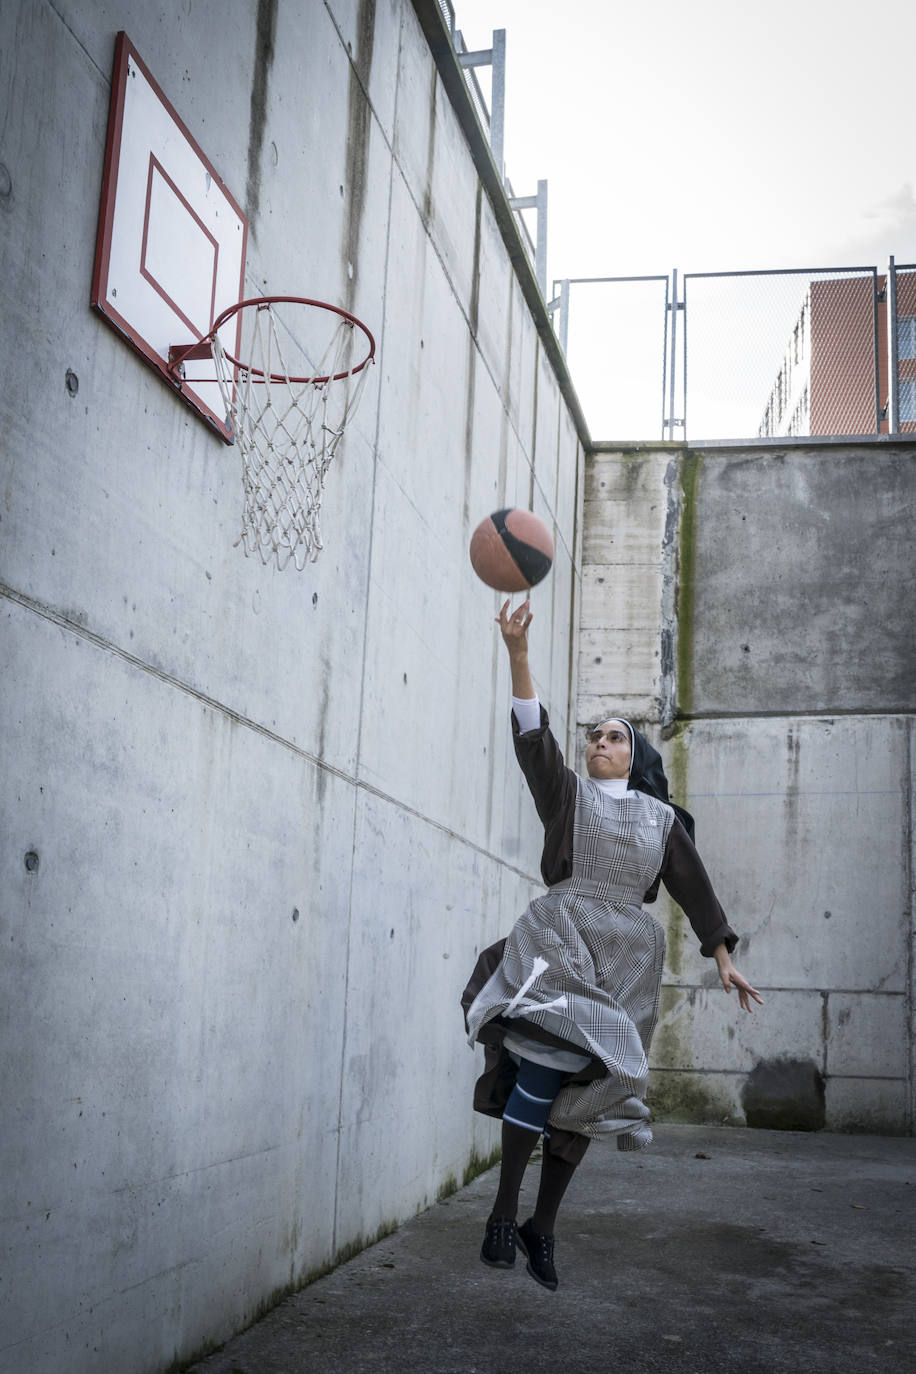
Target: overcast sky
[[708, 135], [704, 136]]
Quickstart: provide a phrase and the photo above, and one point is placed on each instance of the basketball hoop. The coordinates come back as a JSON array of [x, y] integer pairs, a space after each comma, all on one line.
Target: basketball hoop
[[289, 392]]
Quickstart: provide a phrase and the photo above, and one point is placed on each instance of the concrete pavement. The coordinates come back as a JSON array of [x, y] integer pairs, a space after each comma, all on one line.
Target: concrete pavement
[[715, 1249]]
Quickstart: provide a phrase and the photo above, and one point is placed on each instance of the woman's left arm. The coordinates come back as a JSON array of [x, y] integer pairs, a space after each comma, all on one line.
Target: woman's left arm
[[685, 877]]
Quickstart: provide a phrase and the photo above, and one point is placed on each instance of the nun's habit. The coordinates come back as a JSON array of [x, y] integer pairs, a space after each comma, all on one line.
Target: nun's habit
[[577, 981]]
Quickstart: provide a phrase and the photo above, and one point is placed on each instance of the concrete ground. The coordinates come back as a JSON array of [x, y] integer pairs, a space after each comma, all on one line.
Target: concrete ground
[[715, 1249]]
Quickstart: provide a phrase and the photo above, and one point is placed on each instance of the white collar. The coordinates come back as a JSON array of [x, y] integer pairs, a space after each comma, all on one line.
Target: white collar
[[612, 787]]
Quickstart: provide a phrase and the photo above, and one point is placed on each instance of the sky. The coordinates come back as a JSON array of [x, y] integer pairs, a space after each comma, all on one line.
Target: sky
[[707, 136]]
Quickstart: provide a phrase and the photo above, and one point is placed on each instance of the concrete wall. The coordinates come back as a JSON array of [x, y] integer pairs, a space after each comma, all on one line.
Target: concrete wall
[[754, 609], [255, 826]]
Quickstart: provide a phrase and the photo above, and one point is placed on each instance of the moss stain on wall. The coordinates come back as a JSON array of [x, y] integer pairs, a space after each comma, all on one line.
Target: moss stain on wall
[[691, 464], [671, 1041], [676, 1096], [676, 752], [676, 769]]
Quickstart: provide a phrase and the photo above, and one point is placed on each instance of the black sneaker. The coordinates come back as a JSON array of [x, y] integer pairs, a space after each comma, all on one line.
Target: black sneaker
[[538, 1250], [498, 1247]]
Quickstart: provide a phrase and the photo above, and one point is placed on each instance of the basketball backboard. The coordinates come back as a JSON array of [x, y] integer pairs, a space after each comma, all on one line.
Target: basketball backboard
[[170, 253]]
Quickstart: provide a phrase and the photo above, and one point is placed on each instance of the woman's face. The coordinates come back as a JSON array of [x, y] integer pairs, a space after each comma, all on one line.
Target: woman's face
[[608, 753]]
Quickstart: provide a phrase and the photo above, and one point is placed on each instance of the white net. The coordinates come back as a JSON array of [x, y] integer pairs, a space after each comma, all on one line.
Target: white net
[[286, 431]]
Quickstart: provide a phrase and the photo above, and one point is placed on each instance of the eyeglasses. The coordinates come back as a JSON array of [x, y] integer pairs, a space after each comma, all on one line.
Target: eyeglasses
[[613, 736]]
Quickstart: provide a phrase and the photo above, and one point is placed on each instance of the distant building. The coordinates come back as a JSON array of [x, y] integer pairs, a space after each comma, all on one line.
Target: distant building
[[834, 375]]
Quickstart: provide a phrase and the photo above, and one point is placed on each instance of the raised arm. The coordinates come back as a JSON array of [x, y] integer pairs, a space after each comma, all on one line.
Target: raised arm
[[551, 783], [514, 630]]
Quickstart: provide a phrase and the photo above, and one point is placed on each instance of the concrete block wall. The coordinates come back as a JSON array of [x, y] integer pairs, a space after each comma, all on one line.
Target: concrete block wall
[[255, 826], [763, 595]]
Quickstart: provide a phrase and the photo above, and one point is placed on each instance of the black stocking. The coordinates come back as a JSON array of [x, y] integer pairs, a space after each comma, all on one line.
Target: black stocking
[[518, 1144], [556, 1174]]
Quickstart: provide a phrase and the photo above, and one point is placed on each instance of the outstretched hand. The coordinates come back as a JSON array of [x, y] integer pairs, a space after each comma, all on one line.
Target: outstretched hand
[[514, 627], [731, 978], [514, 630]]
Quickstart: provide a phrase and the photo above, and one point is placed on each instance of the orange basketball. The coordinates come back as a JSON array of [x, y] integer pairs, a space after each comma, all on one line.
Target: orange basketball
[[511, 550]]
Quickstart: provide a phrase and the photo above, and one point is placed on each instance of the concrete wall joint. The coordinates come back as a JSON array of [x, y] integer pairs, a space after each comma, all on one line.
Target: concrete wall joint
[[106, 646], [104, 73]]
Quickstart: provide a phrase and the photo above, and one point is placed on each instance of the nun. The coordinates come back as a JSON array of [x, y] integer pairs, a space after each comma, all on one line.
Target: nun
[[566, 1005]]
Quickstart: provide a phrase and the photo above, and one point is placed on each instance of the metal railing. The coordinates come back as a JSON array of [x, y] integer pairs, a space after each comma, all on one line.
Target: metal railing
[[718, 356], [773, 354], [492, 119]]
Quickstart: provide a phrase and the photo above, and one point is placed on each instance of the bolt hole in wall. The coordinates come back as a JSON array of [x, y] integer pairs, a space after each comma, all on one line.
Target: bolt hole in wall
[[31, 861]]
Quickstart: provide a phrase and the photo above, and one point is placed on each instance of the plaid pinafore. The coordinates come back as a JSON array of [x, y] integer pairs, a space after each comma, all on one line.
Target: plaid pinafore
[[585, 960]]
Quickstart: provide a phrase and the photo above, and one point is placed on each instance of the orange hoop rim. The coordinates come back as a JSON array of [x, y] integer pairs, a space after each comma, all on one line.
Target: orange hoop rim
[[257, 373]]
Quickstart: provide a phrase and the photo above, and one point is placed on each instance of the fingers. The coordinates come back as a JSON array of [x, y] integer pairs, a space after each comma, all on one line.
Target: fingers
[[746, 989], [732, 978], [517, 623], [746, 992]]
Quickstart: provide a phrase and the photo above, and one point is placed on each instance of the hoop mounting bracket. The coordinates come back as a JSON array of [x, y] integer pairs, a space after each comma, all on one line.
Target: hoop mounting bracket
[[182, 353]]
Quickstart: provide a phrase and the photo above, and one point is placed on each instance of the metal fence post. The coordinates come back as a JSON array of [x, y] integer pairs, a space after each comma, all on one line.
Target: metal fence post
[[540, 261], [893, 365], [560, 302], [683, 421], [498, 100], [539, 203], [495, 58], [564, 314], [665, 356], [673, 309]]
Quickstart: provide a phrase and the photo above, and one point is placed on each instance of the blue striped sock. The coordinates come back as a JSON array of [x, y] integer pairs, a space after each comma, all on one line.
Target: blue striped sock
[[530, 1101]]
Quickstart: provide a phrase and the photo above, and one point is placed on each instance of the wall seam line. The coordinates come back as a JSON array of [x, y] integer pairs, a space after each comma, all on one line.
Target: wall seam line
[[742, 1072], [45, 612], [345, 1036]]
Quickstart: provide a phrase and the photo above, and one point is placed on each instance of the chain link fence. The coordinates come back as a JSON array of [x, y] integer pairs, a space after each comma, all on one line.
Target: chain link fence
[[733, 356], [784, 353], [901, 293], [781, 353], [615, 334]]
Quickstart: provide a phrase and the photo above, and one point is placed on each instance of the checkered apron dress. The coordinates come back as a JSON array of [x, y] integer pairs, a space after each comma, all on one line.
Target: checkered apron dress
[[604, 953]]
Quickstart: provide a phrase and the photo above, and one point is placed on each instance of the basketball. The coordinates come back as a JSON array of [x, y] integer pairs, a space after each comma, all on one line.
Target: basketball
[[511, 550]]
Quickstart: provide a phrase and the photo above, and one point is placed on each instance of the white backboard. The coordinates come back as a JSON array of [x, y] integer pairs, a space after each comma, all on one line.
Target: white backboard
[[170, 254]]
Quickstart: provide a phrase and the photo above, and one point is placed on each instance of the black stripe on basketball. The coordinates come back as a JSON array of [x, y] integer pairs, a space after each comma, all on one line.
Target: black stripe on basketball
[[531, 563]]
